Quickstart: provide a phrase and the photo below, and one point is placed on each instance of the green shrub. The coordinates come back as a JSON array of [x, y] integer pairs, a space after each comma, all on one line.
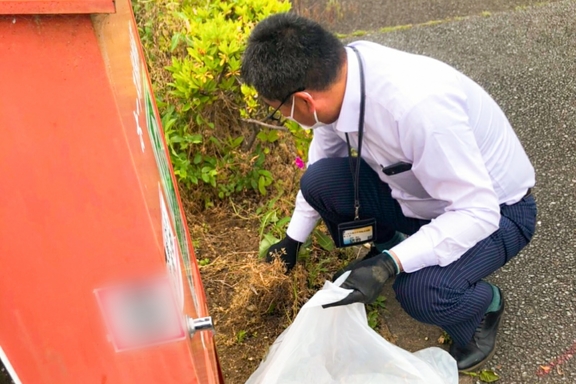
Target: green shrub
[[208, 116]]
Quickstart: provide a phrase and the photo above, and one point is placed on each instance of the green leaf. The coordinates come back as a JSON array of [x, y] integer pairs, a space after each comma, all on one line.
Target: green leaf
[[175, 41], [270, 217], [236, 142], [273, 136], [324, 241], [283, 222], [489, 376], [267, 240], [265, 173], [486, 376], [194, 139], [204, 262], [373, 317], [262, 185], [240, 336]]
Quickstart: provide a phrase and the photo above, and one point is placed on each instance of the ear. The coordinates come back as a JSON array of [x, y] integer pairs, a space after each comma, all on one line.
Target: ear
[[308, 100]]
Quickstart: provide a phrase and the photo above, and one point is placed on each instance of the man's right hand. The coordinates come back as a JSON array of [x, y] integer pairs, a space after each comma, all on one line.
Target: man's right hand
[[367, 279], [287, 250]]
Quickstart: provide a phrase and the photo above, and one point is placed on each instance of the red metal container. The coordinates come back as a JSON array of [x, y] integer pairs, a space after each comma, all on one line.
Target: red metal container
[[98, 278]]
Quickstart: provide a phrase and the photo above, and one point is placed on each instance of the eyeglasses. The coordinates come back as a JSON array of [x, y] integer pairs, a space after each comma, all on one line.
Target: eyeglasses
[[276, 115]]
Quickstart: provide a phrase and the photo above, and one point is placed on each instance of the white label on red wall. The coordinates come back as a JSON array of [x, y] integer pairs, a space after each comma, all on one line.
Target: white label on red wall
[[171, 251], [141, 314]]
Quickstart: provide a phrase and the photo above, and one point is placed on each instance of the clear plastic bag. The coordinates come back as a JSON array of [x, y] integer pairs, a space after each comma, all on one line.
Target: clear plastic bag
[[336, 345]]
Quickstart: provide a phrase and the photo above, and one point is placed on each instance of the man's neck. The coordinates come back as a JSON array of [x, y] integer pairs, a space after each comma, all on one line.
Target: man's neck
[[332, 99]]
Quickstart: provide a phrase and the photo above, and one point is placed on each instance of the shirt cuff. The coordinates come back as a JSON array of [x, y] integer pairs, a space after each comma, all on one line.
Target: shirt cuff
[[300, 227], [415, 253]]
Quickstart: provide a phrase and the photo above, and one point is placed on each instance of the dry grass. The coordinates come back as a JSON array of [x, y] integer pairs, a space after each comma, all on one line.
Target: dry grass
[[254, 292], [251, 302]]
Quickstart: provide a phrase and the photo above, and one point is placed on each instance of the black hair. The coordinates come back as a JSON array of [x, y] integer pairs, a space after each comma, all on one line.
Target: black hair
[[287, 53]]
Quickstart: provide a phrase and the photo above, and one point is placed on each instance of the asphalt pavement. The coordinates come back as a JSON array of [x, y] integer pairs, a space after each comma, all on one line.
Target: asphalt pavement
[[526, 59]]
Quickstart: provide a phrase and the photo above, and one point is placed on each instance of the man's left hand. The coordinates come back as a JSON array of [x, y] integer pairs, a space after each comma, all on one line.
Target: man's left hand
[[367, 279]]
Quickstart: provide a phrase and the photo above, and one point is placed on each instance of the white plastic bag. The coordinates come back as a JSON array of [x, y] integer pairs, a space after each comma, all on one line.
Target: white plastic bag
[[336, 345]]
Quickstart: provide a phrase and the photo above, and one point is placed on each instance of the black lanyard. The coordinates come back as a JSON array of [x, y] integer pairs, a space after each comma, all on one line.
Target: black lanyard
[[356, 172]]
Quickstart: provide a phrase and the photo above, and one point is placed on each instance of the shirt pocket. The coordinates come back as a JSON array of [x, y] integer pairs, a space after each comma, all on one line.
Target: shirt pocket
[[406, 186]]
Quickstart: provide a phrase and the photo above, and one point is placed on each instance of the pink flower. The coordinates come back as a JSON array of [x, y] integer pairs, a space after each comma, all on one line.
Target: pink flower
[[299, 162]]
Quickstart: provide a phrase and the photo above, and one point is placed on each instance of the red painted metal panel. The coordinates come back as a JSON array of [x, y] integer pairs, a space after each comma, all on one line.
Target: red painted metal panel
[[37, 7], [118, 38], [83, 176]]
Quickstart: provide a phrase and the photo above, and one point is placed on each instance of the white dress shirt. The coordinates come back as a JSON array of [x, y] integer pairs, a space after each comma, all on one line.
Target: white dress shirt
[[466, 159]]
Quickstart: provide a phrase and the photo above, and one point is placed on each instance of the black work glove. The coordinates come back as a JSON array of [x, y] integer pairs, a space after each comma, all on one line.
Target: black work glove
[[367, 279], [287, 250]]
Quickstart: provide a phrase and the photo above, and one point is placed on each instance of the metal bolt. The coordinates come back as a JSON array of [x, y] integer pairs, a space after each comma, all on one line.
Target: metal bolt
[[200, 324]]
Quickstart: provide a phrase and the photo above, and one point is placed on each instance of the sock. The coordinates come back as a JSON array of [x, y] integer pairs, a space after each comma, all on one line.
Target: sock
[[495, 304], [395, 240]]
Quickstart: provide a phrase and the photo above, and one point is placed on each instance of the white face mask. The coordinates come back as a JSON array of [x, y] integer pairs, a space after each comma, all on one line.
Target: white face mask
[[317, 124]]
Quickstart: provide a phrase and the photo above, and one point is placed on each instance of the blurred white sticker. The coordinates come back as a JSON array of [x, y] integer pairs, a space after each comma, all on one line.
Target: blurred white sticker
[[141, 314]]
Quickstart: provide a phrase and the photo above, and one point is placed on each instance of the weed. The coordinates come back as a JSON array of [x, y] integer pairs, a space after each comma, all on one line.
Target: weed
[[316, 269], [485, 376], [432, 22], [204, 262], [445, 338], [373, 312], [240, 336], [359, 33], [395, 28]]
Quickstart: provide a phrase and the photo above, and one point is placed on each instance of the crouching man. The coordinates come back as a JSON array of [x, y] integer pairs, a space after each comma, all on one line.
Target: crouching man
[[403, 144]]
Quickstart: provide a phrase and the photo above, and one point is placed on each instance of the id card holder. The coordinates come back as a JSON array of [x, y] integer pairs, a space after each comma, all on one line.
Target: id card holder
[[356, 232]]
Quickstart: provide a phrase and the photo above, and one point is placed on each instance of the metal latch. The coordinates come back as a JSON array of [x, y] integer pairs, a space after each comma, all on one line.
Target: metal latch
[[200, 324]]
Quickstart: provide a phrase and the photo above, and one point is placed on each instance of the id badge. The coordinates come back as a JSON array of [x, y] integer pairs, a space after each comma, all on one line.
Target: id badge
[[356, 232]]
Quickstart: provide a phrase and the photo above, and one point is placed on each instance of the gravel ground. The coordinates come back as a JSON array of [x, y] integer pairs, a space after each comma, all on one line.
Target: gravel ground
[[526, 58]]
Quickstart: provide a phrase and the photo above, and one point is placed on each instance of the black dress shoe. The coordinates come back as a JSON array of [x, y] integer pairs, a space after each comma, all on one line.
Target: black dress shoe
[[482, 346]]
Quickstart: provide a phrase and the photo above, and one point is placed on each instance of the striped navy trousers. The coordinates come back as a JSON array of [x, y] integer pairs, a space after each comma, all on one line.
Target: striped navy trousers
[[453, 297]]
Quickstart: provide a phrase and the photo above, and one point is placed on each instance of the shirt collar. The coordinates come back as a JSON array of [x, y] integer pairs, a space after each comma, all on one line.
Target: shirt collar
[[348, 119]]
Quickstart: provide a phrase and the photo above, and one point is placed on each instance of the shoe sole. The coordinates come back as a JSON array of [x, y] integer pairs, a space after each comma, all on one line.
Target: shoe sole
[[490, 355]]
